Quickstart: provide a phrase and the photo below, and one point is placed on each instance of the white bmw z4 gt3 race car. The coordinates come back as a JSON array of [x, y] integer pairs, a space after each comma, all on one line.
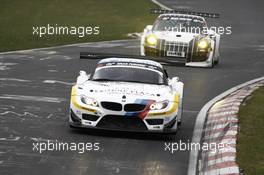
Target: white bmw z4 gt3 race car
[[182, 37], [127, 94]]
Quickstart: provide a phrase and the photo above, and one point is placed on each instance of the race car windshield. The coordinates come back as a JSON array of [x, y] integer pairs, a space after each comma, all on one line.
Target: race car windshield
[[128, 74], [179, 25]]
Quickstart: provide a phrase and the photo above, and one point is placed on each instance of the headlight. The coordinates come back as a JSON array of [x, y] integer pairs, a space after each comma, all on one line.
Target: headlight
[[158, 105], [203, 44], [89, 101], [152, 40]]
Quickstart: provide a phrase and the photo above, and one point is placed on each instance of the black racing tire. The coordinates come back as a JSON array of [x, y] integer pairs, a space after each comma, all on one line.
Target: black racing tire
[[216, 62], [180, 122], [212, 65], [73, 127]]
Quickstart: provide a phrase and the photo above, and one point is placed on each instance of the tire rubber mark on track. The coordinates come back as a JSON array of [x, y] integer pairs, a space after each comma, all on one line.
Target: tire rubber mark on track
[[57, 81], [14, 79], [32, 98], [161, 5]]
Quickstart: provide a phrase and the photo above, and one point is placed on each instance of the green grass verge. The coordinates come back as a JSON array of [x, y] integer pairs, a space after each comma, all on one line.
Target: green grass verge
[[250, 145], [115, 18]]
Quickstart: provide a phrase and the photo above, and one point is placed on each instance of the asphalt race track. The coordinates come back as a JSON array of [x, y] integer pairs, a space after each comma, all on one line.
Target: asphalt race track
[[35, 91]]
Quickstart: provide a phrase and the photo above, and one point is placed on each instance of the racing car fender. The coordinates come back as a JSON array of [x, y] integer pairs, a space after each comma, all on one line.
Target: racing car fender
[[146, 31], [216, 39], [180, 90], [142, 51], [178, 86], [217, 44]]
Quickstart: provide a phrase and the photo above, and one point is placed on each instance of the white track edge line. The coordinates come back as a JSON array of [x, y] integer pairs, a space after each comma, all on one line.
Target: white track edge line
[[161, 5], [66, 45]]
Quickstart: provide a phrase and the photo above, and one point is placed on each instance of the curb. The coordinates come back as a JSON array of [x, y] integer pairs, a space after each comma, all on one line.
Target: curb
[[221, 128], [200, 121]]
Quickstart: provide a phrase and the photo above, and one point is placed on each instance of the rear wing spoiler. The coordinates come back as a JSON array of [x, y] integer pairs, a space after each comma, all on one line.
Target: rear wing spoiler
[[202, 14], [99, 56]]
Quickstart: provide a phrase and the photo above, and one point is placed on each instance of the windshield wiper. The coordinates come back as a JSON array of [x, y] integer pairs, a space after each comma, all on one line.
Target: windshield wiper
[[103, 79]]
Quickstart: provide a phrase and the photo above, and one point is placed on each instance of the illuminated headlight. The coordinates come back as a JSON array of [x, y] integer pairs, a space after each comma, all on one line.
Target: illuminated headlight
[[152, 40], [203, 44], [89, 101], [158, 105]]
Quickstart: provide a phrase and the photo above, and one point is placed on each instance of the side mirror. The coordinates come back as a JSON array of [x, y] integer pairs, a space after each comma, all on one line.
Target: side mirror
[[211, 33], [174, 80], [149, 27], [83, 77]]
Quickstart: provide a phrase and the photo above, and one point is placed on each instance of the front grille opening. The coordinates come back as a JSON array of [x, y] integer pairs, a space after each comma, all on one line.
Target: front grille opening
[[112, 106], [179, 47], [90, 117], [154, 121], [134, 107], [122, 123]]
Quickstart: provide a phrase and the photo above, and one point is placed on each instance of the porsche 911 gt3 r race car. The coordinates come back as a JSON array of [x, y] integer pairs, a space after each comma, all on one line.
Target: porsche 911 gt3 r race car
[[127, 94], [182, 36]]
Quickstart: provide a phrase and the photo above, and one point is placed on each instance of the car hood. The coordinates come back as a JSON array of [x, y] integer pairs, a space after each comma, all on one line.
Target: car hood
[[117, 91], [175, 36]]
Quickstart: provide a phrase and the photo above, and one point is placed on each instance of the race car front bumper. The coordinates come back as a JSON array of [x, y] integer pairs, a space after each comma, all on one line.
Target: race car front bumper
[[173, 52], [159, 121], [122, 123]]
